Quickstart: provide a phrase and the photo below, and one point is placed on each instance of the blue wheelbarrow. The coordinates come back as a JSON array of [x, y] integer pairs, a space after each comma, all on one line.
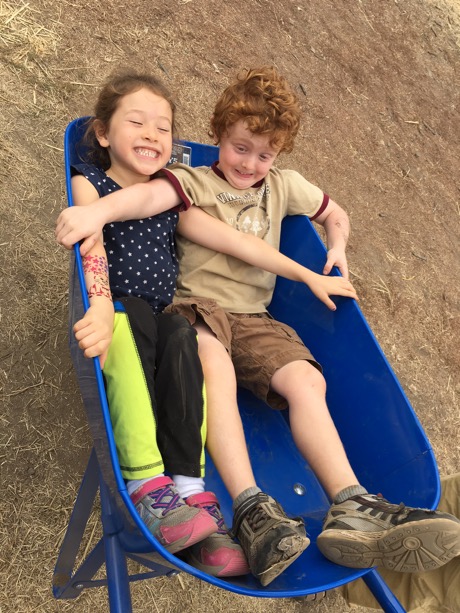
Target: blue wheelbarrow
[[382, 436]]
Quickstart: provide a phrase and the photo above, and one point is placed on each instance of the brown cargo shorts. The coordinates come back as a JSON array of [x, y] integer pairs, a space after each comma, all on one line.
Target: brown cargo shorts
[[258, 344]]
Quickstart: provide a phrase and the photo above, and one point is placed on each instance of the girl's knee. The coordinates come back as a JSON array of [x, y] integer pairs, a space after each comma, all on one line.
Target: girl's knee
[[179, 323], [182, 332], [176, 334]]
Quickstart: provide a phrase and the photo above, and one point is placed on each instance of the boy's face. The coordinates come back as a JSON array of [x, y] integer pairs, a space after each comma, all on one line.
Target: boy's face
[[139, 137], [245, 158]]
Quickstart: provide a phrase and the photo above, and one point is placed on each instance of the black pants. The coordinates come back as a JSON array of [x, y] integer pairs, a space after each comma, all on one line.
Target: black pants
[[155, 389]]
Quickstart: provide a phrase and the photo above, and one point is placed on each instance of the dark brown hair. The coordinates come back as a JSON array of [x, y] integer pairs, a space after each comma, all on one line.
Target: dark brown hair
[[116, 87]]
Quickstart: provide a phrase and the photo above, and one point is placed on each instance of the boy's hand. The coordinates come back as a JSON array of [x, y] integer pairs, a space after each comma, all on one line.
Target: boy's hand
[[337, 226], [94, 331], [77, 223], [336, 257], [323, 287]]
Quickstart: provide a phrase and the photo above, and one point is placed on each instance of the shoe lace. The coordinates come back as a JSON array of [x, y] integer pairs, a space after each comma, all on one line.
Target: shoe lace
[[248, 509], [165, 499], [215, 513], [256, 518], [399, 511], [389, 507]]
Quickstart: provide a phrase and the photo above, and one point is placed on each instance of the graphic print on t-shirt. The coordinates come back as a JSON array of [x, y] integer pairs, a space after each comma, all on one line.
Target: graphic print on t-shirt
[[248, 212]]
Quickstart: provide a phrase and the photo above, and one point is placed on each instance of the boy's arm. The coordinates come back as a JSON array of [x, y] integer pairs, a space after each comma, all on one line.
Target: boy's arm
[[337, 227], [94, 331], [201, 228], [136, 202]]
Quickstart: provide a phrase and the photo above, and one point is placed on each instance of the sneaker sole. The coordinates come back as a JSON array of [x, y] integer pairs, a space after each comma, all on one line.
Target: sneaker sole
[[424, 545], [292, 547]]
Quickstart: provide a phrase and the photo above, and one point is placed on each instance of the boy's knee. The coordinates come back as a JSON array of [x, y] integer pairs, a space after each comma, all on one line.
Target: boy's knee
[[317, 379], [313, 377], [207, 340], [300, 374], [211, 351]]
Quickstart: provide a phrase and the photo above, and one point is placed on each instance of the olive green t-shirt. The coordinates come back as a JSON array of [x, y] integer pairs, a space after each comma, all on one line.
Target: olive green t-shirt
[[236, 286]]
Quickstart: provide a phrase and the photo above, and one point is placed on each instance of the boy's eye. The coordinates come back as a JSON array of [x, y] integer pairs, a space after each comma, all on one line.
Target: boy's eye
[[266, 157], [165, 130], [136, 123]]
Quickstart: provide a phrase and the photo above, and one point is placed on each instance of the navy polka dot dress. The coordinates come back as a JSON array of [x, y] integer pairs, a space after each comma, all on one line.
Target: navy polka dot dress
[[141, 253]]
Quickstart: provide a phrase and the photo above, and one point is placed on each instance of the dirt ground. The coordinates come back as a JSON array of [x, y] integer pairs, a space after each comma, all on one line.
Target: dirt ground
[[379, 85]]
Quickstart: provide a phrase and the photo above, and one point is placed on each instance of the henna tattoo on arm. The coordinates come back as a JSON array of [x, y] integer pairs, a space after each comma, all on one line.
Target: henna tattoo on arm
[[98, 268]]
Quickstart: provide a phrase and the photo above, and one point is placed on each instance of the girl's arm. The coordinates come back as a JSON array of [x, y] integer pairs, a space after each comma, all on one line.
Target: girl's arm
[[337, 226], [94, 331], [135, 202], [201, 228]]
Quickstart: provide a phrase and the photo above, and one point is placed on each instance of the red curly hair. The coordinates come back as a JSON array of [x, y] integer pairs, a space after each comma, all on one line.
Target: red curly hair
[[265, 101]]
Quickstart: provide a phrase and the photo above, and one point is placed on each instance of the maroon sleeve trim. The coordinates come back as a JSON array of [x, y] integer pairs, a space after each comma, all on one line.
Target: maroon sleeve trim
[[185, 204], [321, 208]]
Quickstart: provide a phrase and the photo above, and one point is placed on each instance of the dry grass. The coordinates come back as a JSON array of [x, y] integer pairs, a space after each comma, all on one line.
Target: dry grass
[[53, 55], [22, 34]]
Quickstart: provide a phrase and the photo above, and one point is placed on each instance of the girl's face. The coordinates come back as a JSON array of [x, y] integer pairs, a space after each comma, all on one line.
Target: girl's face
[[245, 158], [138, 138]]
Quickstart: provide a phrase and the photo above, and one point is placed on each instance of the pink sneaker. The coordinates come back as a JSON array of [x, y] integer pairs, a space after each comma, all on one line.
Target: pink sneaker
[[218, 555], [171, 521]]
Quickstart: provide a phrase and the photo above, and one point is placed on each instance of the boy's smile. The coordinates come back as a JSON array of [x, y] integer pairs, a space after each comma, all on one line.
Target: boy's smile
[[245, 158]]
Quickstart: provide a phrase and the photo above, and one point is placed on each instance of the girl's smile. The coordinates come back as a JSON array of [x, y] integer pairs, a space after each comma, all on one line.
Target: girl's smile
[[138, 138]]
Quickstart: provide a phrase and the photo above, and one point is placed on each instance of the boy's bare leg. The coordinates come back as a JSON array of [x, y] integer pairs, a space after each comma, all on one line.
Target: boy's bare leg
[[312, 427], [361, 530], [225, 439], [270, 539]]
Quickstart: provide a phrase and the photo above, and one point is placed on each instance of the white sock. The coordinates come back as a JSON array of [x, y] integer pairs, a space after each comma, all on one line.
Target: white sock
[[188, 486], [133, 484]]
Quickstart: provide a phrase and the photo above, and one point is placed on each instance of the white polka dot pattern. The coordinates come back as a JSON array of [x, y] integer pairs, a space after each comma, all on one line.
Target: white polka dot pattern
[[141, 253]]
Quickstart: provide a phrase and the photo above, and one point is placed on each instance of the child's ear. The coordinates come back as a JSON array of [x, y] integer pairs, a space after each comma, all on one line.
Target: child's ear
[[213, 137], [211, 133], [100, 131]]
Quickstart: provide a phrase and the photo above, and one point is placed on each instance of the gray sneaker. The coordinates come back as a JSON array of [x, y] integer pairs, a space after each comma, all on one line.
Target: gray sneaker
[[367, 530], [171, 521], [270, 539]]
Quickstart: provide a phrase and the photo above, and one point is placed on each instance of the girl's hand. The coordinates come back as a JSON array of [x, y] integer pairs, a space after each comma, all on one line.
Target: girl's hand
[[323, 287], [336, 257], [94, 331]]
